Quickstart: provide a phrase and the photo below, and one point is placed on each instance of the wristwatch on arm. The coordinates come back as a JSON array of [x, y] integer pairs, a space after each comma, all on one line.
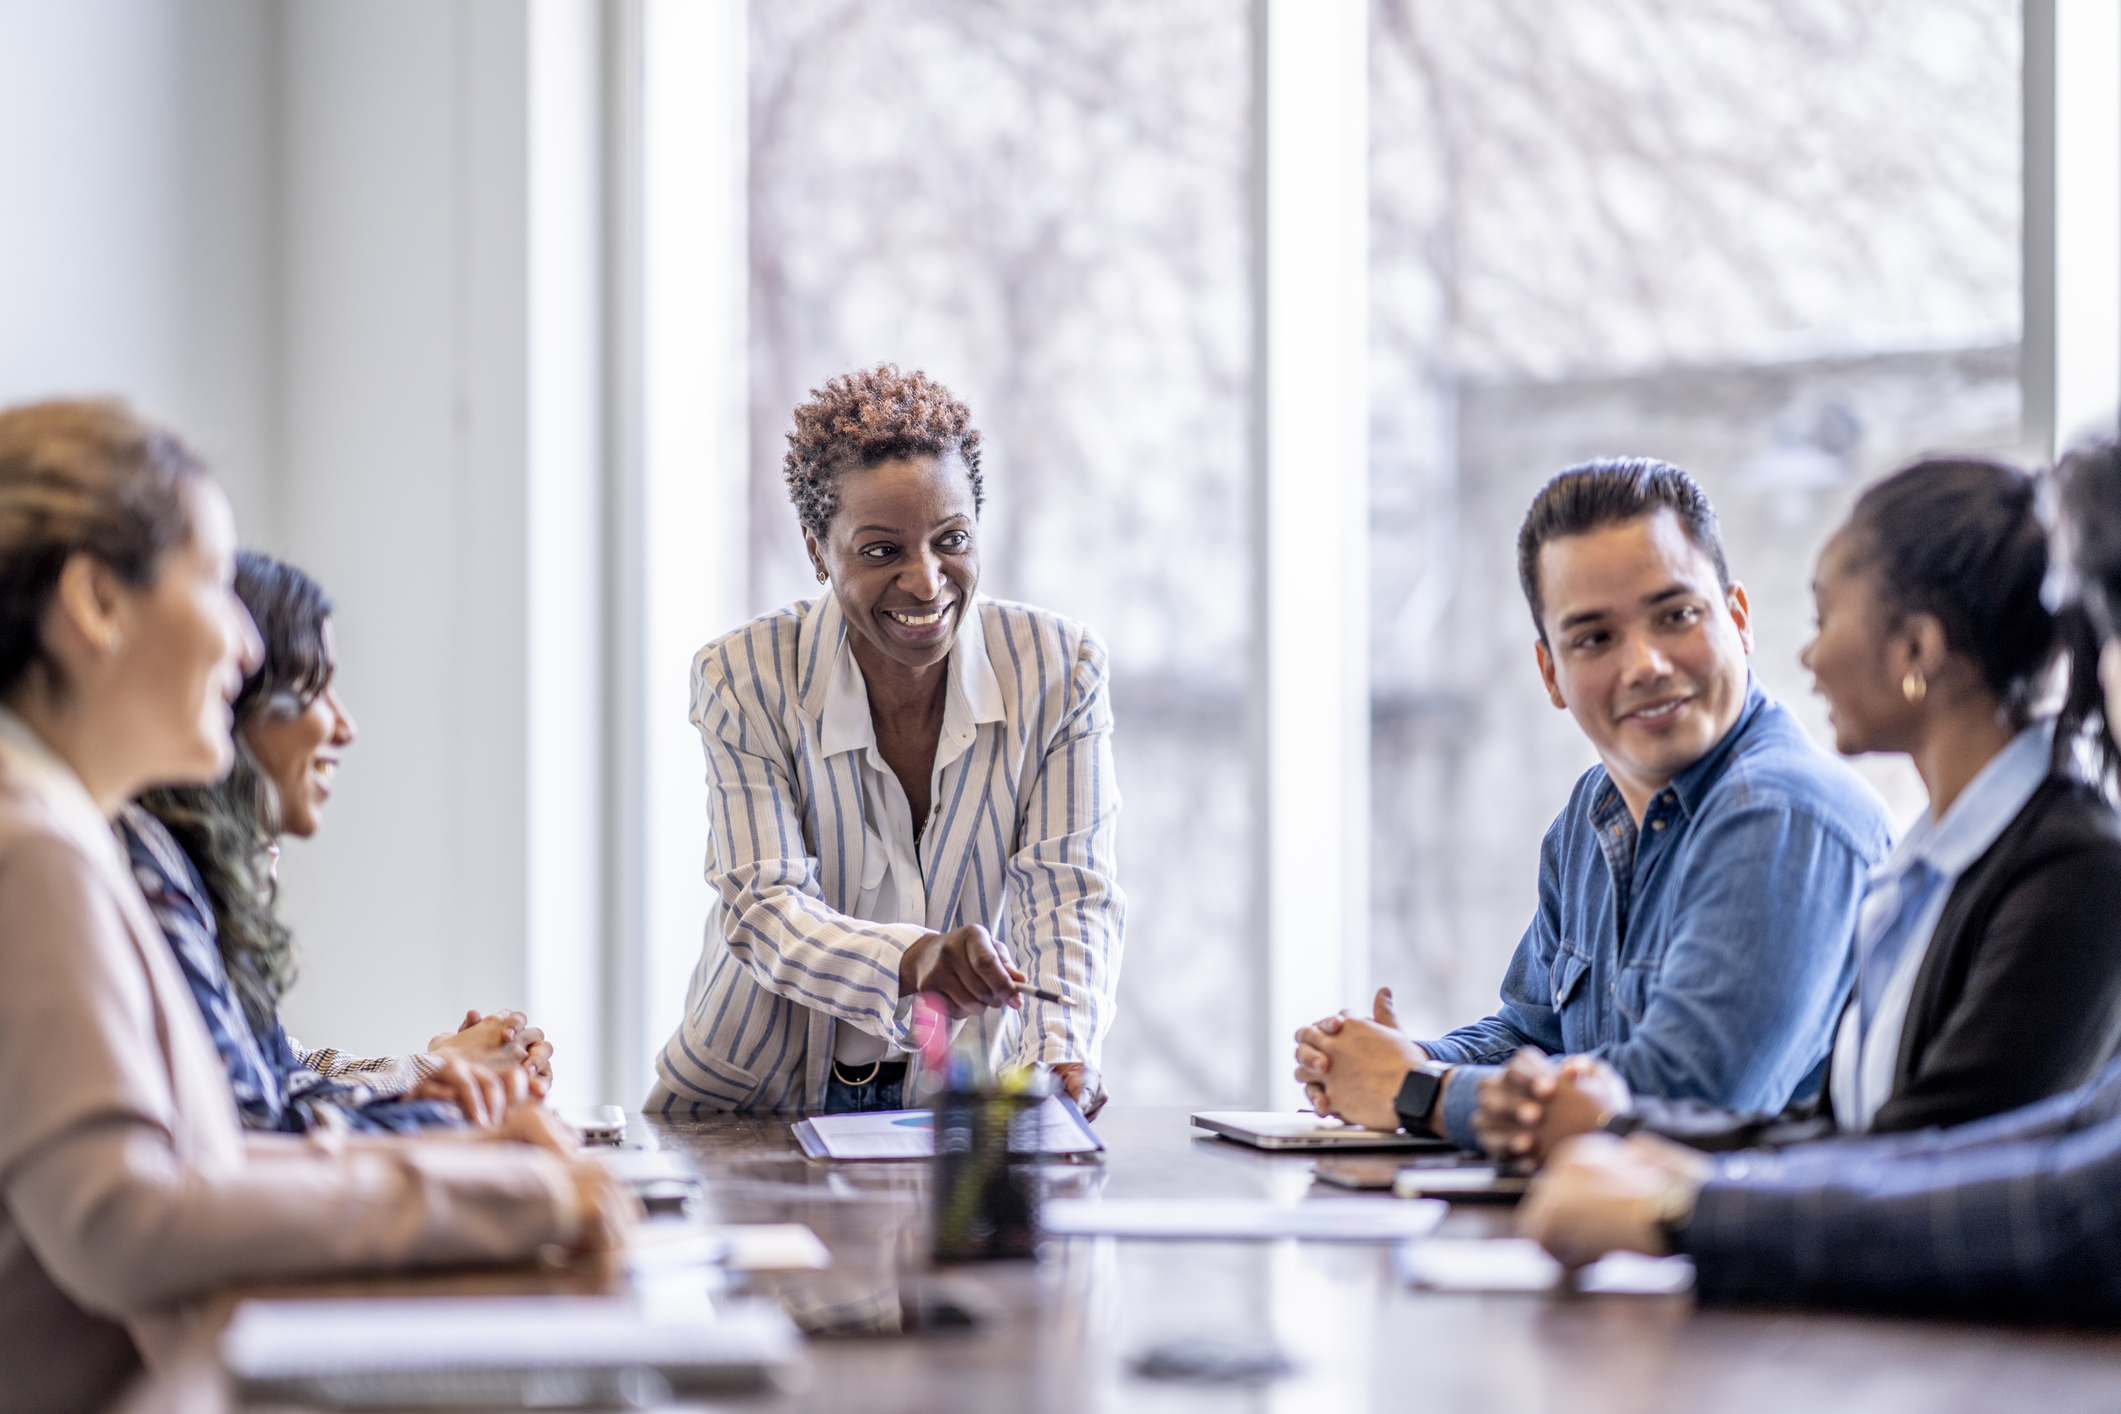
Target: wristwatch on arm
[[1419, 1095], [1671, 1208]]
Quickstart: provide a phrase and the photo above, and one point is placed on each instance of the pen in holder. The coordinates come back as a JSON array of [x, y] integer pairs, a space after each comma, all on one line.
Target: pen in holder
[[986, 1201], [985, 1183]]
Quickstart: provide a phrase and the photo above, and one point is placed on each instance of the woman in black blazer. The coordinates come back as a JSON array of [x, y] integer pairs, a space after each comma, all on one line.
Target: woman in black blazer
[[1989, 951]]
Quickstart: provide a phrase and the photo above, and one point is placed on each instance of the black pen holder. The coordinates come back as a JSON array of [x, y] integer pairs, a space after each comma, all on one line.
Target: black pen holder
[[985, 1184]]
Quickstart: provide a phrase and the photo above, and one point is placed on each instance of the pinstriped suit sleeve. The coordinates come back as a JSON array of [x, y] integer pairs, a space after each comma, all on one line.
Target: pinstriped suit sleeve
[[1067, 914], [2028, 1229], [2013, 1215], [773, 915]]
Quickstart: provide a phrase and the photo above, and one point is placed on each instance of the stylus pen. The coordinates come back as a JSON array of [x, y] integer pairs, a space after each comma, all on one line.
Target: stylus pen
[[1040, 992]]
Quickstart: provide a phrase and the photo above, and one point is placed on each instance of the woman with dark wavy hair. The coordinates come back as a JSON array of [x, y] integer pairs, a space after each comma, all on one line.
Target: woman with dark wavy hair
[[128, 1190], [213, 894]]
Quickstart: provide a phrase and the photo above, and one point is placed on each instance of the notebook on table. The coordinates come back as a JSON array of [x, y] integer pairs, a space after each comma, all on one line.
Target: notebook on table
[[1302, 1130], [910, 1134], [1241, 1219], [499, 1351]]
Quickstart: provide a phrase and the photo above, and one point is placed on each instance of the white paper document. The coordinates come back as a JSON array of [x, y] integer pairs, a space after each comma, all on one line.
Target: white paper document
[[1518, 1264], [281, 1340], [744, 1247], [1243, 1219], [910, 1134], [643, 1166]]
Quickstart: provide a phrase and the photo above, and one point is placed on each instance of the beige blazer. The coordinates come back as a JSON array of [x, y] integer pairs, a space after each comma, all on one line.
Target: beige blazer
[[129, 1186]]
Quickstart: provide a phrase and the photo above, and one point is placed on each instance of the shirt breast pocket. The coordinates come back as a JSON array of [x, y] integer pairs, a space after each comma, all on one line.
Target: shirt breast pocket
[[1570, 966], [1631, 992]]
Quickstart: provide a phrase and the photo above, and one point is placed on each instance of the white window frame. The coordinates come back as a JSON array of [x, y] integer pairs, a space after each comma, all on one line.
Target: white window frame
[[1310, 689], [2070, 368]]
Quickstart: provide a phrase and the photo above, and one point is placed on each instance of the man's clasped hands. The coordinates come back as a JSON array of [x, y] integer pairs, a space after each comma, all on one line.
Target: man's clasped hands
[[1598, 1193]]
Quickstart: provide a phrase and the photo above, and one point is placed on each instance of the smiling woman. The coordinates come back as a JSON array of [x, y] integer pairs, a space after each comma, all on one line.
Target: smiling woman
[[228, 829], [131, 1192], [205, 855], [894, 768]]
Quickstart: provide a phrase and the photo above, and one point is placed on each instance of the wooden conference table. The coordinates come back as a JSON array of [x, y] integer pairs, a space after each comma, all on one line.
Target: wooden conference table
[[1064, 1333]]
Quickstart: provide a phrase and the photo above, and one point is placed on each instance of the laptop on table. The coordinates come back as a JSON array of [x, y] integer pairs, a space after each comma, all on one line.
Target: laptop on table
[[1299, 1131]]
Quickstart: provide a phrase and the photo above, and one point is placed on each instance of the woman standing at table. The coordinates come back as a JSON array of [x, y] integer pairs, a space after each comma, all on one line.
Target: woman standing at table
[[129, 1187], [909, 790]]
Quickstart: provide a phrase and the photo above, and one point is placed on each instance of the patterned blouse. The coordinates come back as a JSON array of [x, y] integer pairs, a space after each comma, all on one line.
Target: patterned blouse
[[277, 1085]]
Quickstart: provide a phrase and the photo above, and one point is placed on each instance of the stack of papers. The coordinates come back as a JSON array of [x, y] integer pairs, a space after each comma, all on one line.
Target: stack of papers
[[1244, 1219], [910, 1134]]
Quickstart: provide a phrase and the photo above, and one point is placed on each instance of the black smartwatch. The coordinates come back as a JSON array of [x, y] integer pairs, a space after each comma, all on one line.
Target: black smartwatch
[[1418, 1095]]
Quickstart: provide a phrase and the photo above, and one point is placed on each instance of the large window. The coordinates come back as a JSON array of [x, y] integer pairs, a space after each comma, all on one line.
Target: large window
[[1046, 207], [1777, 244]]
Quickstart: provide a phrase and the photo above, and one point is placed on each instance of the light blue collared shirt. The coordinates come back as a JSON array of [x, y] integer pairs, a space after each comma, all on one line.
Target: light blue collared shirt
[[1863, 1069]]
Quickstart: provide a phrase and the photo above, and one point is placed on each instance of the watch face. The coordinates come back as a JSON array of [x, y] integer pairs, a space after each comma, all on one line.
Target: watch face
[[1417, 1098]]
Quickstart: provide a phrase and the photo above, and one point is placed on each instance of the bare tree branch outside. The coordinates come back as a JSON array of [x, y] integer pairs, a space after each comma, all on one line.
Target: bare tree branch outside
[[1777, 243]]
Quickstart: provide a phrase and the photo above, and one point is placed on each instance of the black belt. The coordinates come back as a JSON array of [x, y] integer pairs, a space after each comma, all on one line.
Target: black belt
[[882, 1072]]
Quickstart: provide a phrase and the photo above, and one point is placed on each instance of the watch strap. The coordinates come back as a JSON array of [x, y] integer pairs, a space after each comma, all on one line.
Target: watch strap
[[1671, 1208]]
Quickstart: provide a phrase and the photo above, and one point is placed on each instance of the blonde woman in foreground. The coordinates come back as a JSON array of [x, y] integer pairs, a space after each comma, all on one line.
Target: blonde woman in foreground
[[129, 1186]]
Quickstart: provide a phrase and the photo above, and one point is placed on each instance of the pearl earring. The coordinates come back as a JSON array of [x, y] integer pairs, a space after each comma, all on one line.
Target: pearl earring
[[1914, 687]]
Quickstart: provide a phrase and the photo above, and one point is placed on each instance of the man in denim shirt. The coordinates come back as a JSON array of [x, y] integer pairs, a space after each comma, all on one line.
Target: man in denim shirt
[[1698, 893]]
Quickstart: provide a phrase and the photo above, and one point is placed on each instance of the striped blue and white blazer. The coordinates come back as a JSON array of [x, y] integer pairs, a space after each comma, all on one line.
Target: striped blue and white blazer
[[1024, 842]]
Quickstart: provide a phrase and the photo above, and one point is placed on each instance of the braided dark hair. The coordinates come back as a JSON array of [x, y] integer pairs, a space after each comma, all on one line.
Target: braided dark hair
[[1960, 538], [2088, 536]]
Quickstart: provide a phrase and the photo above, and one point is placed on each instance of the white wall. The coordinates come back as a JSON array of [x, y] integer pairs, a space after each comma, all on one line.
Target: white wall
[[565, 602], [683, 569], [352, 248], [136, 251], [410, 905], [441, 470]]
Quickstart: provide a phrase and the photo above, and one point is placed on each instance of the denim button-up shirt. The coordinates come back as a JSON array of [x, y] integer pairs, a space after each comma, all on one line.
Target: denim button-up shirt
[[1707, 954]]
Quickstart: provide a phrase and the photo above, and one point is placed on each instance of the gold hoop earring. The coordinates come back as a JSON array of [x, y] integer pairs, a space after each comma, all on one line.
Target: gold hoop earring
[[1914, 687], [822, 576]]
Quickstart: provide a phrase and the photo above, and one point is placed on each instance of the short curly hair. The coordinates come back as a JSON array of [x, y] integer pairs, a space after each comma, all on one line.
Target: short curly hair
[[861, 419]]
